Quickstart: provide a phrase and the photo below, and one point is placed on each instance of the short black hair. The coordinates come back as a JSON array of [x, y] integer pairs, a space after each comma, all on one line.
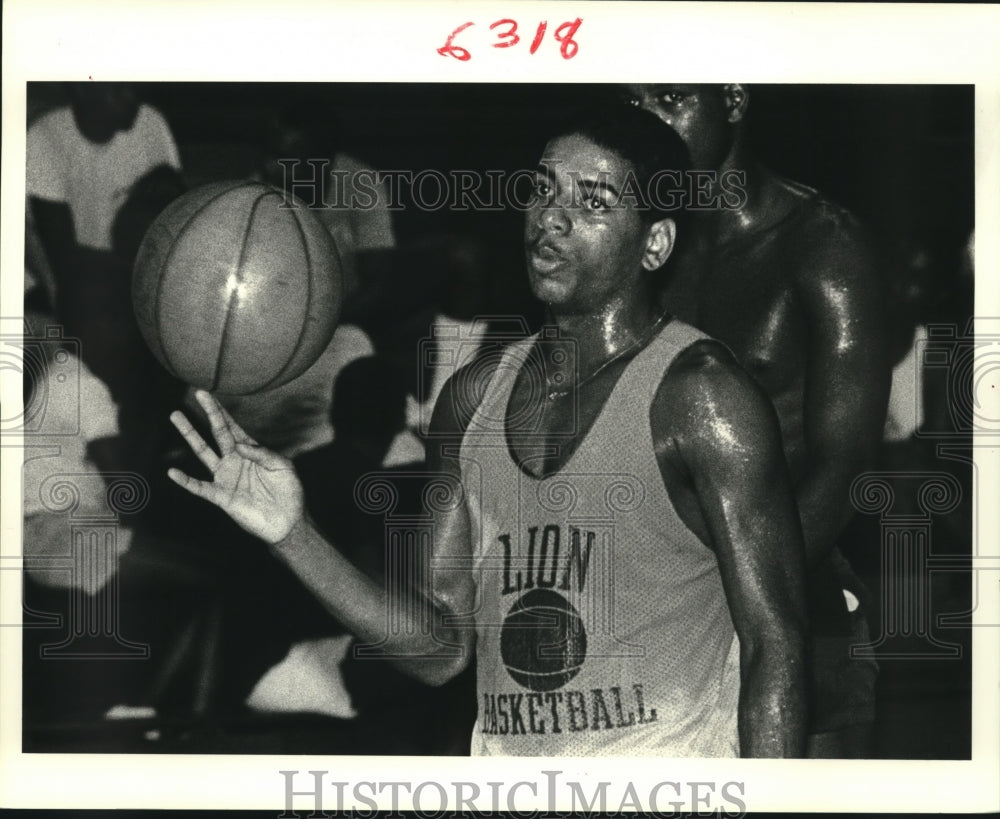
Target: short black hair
[[647, 143]]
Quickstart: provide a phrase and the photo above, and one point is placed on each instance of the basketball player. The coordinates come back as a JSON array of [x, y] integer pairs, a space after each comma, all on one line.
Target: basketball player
[[614, 531], [786, 280]]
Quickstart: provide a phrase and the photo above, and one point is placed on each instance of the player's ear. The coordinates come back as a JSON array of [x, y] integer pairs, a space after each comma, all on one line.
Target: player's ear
[[659, 244], [737, 98]]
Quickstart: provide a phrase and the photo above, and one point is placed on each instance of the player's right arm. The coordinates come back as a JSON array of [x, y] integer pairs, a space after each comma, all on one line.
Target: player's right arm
[[432, 637], [720, 432]]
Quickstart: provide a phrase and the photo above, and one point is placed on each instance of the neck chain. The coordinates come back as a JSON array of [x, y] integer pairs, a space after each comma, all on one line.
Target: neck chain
[[641, 341]]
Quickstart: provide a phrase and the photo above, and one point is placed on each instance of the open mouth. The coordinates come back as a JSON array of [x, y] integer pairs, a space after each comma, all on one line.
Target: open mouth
[[545, 259]]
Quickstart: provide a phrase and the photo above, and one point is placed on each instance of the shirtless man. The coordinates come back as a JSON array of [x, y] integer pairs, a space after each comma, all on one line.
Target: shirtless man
[[787, 281], [615, 534]]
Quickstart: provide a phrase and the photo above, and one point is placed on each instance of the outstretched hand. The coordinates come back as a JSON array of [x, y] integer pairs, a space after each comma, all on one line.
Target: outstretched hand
[[256, 487]]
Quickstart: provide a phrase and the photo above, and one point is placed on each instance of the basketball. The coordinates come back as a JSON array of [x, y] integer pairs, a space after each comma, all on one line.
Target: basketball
[[542, 642], [237, 287]]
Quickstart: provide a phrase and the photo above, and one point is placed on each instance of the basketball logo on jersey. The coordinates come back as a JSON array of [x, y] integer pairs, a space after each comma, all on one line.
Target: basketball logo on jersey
[[542, 641]]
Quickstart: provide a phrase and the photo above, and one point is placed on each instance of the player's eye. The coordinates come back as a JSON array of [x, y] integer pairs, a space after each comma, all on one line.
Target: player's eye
[[595, 203], [542, 189], [673, 97]]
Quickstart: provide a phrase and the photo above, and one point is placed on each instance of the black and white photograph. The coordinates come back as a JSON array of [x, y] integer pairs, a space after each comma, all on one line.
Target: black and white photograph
[[560, 421]]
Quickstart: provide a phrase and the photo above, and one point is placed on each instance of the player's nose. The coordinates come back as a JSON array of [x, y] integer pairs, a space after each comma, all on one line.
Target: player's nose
[[553, 218]]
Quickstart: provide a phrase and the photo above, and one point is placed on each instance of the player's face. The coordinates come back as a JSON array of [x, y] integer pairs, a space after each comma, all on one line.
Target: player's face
[[698, 113], [582, 246]]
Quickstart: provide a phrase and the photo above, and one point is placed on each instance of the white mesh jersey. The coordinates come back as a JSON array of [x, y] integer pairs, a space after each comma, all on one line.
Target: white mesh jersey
[[602, 626]]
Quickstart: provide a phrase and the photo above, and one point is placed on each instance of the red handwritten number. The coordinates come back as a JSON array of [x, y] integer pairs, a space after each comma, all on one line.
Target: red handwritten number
[[450, 50], [513, 39], [564, 34], [538, 36]]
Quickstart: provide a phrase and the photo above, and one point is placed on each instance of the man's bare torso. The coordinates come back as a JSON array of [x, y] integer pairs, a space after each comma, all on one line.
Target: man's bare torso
[[747, 292]]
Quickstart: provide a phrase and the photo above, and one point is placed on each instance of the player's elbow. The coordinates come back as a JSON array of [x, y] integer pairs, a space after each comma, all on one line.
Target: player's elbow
[[446, 656]]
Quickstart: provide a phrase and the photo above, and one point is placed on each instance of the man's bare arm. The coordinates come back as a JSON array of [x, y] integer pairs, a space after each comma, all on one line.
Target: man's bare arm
[[260, 491], [725, 433], [847, 383]]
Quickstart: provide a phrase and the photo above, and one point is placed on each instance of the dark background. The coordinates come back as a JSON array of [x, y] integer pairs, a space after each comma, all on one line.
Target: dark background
[[901, 157]]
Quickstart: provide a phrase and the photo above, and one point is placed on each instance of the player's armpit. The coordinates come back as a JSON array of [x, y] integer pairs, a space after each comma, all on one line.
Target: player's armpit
[[725, 431]]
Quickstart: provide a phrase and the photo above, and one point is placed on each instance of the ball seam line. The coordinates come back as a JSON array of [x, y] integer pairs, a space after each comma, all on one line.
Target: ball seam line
[[234, 295], [308, 303], [165, 269]]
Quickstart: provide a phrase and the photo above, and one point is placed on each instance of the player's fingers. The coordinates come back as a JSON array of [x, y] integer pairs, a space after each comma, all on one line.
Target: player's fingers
[[202, 489], [261, 456], [240, 435], [203, 451], [217, 421]]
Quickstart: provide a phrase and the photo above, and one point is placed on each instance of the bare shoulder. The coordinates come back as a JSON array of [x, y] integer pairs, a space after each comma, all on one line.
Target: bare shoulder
[[706, 398], [463, 393], [817, 213], [834, 245], [706, 365]]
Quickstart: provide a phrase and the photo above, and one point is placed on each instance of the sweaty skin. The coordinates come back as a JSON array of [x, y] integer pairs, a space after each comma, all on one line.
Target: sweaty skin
[[715, 438], [788, 282]]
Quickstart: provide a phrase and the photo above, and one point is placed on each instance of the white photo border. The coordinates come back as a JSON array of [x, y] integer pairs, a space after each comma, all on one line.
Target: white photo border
[[374, 41]]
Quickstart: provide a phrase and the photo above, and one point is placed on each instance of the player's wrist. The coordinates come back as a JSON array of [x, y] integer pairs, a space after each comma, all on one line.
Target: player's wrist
[[288, 541]]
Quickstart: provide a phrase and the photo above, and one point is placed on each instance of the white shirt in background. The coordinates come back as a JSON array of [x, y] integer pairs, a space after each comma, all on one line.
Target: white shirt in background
[[94, 179]]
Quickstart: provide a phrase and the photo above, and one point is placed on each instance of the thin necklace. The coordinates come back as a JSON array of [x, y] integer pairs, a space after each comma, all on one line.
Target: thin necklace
[[641, 341]]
